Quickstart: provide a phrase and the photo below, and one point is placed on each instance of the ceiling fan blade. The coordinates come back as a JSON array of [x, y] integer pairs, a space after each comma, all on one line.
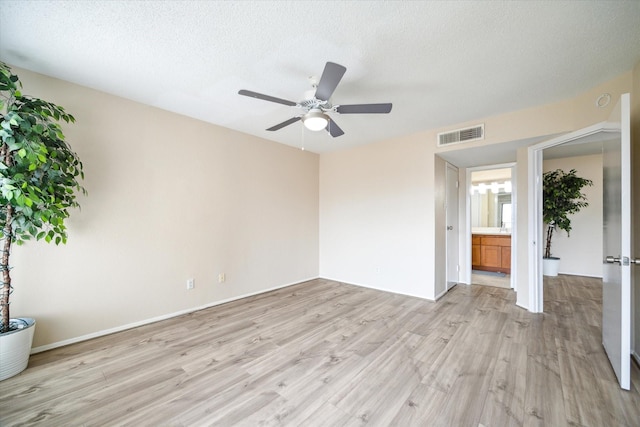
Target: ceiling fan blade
[[285, 123], [333, 129], [331, 76], [364, 108], [266, 97]]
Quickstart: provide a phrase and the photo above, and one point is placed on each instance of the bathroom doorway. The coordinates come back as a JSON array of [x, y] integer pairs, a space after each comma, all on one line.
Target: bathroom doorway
[[492, 211]]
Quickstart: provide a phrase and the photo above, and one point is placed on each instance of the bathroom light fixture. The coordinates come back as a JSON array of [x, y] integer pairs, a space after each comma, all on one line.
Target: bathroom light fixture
[[494, 187], [315, 120]]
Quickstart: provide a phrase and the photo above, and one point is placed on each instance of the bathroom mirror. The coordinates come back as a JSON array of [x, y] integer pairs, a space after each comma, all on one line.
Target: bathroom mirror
[[491, 200]]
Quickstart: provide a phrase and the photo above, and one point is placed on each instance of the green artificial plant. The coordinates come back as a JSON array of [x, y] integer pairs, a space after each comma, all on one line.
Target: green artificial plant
[[561, 197], [39, 175]]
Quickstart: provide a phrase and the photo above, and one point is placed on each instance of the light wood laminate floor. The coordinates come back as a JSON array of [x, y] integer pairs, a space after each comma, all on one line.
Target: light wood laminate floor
[[499, 281], [323, 353]]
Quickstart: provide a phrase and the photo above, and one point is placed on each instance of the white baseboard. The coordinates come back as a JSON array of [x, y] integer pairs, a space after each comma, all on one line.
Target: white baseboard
[[377, 288], [97, 334], [636, 356], [579, 274], [441, 294]]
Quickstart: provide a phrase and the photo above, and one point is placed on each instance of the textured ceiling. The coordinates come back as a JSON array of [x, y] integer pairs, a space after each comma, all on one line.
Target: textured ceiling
[[439, 63]]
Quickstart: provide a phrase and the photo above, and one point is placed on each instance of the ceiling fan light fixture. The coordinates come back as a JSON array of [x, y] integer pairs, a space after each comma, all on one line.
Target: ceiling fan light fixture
[[315, 120]]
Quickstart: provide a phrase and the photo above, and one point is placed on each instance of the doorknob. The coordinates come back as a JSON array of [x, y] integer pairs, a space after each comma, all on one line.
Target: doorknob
[[622, 260], [450, 227]]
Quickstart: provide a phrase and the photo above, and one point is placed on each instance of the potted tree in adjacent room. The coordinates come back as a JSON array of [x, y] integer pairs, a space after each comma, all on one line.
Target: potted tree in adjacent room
[[561, 197], [39, 176]]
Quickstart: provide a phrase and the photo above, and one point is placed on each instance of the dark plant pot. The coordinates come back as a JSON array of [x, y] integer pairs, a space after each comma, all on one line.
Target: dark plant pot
[[15, 348]]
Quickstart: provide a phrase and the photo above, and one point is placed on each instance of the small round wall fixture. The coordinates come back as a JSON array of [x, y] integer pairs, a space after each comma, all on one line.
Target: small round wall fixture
[[603, 100]]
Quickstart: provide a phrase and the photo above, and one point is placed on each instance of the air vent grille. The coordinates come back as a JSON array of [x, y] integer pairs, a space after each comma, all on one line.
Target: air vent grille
[[474, 133]]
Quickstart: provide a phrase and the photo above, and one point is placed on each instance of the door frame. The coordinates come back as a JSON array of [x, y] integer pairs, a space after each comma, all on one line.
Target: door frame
[[534, 198], [514, 218]]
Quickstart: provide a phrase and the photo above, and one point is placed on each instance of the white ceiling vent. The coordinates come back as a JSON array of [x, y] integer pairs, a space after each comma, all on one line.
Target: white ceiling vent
[[474, 133]]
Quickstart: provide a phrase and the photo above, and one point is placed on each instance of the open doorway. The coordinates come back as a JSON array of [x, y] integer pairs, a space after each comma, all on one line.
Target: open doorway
[[613, 139], [581, 252], [491, 207]]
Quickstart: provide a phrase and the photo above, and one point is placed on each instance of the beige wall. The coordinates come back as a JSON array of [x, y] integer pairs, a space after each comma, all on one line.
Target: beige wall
[[406, 243], [581, 251], [173, 198], [374, 217], [170, 198]]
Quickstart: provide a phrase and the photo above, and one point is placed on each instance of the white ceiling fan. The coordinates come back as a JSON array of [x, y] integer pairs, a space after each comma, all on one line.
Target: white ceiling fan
[[316, 105]]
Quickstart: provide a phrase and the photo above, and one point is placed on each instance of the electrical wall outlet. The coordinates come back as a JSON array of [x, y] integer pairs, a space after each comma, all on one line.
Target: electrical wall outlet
[[221, 278], [190, 283]]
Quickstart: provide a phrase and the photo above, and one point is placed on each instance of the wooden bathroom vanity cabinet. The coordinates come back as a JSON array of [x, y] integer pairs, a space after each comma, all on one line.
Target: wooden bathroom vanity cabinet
[[491, 252]]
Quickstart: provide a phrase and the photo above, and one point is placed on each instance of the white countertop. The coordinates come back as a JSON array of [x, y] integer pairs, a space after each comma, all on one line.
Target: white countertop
[[490, 230]]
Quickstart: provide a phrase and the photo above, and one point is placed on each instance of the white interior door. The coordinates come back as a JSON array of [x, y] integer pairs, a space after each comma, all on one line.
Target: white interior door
[[614, 136], [616, 278], [453, 264]]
